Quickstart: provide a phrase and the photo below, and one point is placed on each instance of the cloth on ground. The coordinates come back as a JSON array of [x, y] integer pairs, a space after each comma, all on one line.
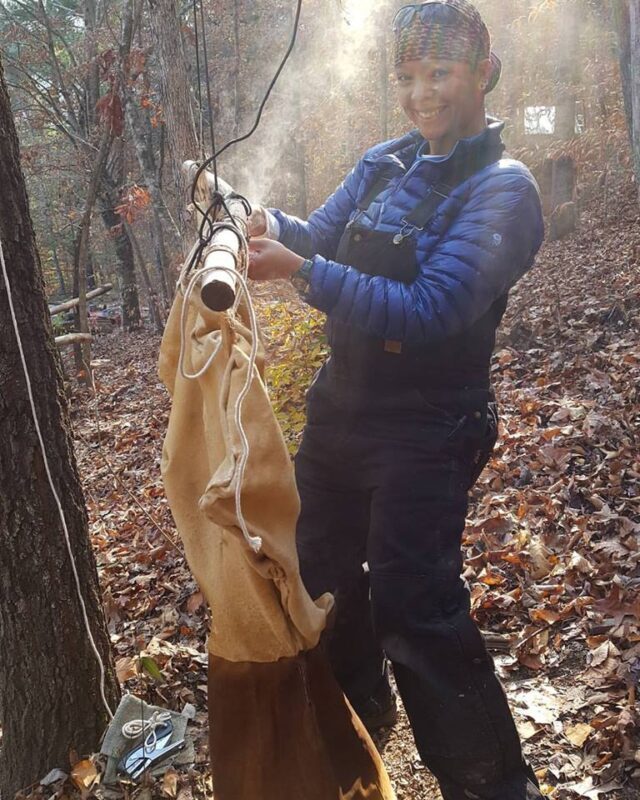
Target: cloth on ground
[[115, 744]]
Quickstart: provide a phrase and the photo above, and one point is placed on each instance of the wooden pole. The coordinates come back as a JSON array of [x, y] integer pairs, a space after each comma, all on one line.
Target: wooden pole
[[218, 287], [73, 338], [69, 304]]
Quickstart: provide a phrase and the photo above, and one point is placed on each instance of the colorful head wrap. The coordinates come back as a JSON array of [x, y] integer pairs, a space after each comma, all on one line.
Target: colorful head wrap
[[447, 30]]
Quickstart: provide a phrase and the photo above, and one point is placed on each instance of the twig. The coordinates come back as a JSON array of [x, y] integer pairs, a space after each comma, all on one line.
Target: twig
[[535, 633], [128, 491]]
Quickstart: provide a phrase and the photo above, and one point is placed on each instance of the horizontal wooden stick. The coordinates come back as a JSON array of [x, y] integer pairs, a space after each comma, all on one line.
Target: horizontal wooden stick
[[73, 303], [73, 338], [206, 179]]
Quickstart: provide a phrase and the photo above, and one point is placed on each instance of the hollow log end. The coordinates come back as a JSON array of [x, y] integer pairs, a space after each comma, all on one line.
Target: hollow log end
[[218, 296]]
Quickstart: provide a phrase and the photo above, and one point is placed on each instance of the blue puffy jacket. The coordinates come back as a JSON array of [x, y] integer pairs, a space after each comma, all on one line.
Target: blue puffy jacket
[[482, 239]]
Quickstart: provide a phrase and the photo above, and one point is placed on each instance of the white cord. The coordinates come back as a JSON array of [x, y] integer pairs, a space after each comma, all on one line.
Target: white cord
[[254, 542], [51, 483], [138, 727]]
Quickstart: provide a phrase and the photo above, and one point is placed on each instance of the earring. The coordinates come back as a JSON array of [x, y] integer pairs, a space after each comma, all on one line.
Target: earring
[[483, 86]]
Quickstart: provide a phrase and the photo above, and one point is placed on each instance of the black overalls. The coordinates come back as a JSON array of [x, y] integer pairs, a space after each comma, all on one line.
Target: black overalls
[[395, 439]]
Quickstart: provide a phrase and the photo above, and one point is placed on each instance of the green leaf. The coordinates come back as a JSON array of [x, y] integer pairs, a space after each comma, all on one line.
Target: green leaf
[[151, 668]]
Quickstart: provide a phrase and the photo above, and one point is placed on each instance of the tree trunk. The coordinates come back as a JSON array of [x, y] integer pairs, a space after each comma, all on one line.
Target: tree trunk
[[176, 93], [237, 69], [154, 307], [51, 233], [139, 125], [567, 68], [49, 675], [384, 81], [109, 198], [81, 257], [623, 29], [126, 262], [634, 71], [141, 135]]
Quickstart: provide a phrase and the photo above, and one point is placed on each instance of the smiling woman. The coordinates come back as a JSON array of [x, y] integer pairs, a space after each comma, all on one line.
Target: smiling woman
[[412, 259]]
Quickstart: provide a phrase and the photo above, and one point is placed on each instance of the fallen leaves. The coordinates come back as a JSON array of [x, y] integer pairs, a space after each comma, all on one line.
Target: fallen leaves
[[84, 774], [557, 515], [578, 734], [553, 541], [586, 788]]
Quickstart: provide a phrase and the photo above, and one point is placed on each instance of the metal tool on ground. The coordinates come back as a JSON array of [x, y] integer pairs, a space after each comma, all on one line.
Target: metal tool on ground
[[156, 747]]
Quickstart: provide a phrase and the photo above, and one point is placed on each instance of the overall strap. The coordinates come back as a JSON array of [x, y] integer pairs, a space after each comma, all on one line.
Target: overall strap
[[455, 174], [426, 209], [379, 183]]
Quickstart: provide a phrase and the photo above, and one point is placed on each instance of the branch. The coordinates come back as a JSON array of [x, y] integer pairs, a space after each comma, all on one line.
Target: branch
[[73, 338], [32, 79], [56, 63], [29, 12], [21, 25], [74, 302], [55, 121]]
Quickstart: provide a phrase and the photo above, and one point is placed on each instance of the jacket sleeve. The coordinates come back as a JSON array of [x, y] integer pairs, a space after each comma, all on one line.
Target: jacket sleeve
[[492, 242], [321, 233]]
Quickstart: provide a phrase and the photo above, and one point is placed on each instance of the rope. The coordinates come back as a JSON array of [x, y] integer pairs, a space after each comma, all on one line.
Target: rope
[[45, 459], [139, 727], [205, 246], [239, 273]]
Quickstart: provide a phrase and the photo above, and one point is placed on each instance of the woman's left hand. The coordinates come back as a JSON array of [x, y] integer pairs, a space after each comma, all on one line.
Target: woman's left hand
[[269, 260]]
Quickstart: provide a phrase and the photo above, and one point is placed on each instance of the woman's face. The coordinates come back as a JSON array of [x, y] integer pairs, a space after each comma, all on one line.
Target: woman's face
[[444, 99]]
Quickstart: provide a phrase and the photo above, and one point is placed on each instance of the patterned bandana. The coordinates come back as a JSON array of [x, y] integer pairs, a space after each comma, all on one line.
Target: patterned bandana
[[444, 30]]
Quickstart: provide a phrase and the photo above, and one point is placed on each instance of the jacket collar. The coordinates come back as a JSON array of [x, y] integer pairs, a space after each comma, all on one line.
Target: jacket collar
[[475, 149]]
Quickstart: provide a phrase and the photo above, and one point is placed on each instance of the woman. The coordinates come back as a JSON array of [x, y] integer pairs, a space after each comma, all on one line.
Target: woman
[[412, 260]]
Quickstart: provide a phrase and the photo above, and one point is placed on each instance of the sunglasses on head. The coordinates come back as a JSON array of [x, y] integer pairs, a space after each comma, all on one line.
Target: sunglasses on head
[[440, 13]]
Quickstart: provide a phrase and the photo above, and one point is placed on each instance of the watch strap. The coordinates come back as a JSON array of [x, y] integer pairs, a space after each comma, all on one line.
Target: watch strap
[[302, 277]]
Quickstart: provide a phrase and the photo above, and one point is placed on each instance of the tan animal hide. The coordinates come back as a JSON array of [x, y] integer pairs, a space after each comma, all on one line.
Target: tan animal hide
[[280, 727]]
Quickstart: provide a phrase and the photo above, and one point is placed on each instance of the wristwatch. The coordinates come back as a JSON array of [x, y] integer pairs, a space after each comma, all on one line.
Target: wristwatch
[[302, 277]]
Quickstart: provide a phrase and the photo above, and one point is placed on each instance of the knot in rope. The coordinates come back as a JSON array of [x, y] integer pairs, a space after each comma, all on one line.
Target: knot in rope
[[138, 727]]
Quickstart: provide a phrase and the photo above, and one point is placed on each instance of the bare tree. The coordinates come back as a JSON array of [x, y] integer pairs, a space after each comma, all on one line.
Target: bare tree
[[49, 674]]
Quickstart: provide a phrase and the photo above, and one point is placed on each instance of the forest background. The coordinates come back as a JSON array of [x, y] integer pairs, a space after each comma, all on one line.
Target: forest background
[[107, 102], [73, 66]]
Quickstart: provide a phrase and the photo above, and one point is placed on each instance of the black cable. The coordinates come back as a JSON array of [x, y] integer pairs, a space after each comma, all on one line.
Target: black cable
[[212, 159], [212, 135], [217, 200]]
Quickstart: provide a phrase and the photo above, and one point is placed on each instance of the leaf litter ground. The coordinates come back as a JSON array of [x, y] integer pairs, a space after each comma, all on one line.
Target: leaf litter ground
[[552, 544]]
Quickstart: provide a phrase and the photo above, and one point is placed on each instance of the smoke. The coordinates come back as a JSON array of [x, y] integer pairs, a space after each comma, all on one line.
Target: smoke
[[331, 60]]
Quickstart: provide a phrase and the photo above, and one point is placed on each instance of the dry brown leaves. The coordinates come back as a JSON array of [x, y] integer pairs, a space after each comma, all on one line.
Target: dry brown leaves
[[552, 546]]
